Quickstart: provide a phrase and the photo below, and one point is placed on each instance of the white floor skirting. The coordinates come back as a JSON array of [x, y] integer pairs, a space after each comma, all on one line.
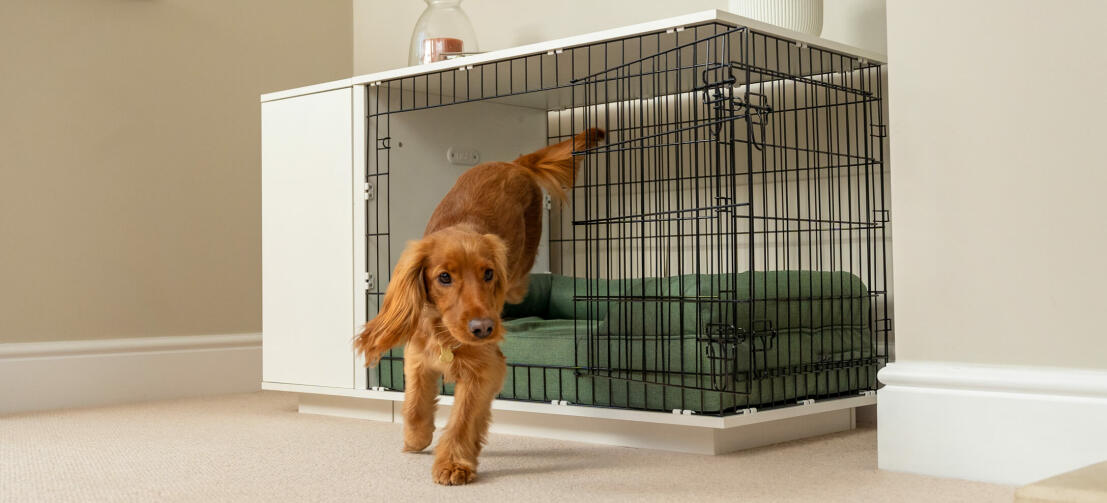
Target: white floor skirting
[[1008, 425], [692, 433], [53, 375]]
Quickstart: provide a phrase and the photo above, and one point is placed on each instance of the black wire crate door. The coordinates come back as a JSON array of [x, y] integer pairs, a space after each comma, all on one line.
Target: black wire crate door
[[712, 245], [656, 214]]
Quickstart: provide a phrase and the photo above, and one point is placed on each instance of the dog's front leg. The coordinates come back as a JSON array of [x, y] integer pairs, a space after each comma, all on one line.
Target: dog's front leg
[[455, 460], [420, 399]]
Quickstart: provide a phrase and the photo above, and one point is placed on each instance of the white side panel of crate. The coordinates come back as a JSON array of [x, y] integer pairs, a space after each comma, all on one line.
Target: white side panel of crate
[[307, 240]]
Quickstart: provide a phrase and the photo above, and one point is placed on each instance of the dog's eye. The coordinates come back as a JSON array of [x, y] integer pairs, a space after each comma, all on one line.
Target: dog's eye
[[488, 274], [444, 278]]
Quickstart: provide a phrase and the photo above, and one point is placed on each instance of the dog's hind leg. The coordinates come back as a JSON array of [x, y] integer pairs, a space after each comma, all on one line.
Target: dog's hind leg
[[420, 400], [455, 460]]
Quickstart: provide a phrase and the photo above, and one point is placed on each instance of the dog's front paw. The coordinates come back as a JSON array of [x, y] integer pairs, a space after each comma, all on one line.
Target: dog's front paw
[[452, 474], [417, 435], [416, 444]]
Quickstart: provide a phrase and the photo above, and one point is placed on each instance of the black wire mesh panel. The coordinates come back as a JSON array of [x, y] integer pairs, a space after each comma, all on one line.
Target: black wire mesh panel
[[724, 249]]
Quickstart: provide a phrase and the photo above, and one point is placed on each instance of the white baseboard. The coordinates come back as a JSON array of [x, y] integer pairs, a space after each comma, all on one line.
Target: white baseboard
[[62, 374], [1007, 425]]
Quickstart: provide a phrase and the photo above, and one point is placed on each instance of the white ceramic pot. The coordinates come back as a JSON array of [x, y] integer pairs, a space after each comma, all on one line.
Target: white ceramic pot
[[804, 16]]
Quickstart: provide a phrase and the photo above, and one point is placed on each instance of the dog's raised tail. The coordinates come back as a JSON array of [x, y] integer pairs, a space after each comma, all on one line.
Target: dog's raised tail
[[554, 167]]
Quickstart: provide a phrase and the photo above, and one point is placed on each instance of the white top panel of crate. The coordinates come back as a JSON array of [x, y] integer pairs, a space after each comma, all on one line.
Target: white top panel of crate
[[589, 38]]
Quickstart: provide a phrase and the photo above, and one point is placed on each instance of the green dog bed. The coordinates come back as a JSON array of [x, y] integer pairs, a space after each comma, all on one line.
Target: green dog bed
[[700, 343]]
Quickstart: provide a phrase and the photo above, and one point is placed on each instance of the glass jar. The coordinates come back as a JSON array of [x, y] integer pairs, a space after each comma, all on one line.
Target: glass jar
[[442, 30]]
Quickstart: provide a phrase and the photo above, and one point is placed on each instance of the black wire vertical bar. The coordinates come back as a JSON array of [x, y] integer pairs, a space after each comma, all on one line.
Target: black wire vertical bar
[[824, 152], [673, 358], [883, 230], [695, 248], [813, 242], [870, 232], [780, 240], [626, 230], [706, 238], [388, 162], [613, 299], [752, 239], [834, 193], [796, 174], [767, 235], [643, 125], [572, 202], [591, 118], [677, 140], [727, 342], [761, 356], [838, 230], [854, 201]]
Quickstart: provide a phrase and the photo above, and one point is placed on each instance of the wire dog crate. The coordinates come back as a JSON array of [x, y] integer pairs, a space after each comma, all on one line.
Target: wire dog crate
[[723, 250]]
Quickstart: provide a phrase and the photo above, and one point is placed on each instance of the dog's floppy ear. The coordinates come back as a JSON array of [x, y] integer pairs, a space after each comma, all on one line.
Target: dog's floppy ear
[[402, 306]]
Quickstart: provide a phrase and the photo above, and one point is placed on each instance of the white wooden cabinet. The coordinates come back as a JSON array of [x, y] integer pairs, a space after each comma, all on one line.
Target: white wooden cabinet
[[307, 239]]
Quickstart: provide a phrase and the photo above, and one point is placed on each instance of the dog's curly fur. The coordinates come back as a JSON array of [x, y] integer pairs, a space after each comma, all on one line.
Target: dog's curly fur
[[476, 252]]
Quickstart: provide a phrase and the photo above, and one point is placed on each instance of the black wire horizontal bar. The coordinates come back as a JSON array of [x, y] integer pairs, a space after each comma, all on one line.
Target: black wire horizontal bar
[[824, 234], [814, 151], [639, 376], [660, 53], [610, 147], [855, 224], [654, 73], [658, 213], [615, 131], [806, 80], [699, 299], [818, 367], [739, 175], [689, 235]]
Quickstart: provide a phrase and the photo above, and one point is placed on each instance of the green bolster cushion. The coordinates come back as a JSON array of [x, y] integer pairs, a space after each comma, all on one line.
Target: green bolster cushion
[[564, 288], [689, 354], [537, 301], [786, 299]]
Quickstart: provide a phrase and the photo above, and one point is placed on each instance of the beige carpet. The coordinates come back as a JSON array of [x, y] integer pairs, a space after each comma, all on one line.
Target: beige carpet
[[257, 447]]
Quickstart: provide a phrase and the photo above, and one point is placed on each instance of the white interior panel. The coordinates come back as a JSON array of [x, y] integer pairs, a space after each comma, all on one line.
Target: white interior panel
[[307, 240], [420, 175]]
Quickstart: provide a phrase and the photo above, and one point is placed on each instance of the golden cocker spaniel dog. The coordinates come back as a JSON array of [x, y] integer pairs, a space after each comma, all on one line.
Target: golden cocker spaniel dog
[[447, 292]]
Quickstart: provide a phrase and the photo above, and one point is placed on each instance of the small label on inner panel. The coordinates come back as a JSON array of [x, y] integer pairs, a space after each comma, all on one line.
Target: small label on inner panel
[[463, 156]]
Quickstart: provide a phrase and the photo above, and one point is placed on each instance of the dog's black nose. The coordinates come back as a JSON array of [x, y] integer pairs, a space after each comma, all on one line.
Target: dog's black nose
[[480, 327]]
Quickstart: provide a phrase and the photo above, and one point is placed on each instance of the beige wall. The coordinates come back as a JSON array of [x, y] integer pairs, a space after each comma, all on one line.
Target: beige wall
[[382, 28], [129, 158], [997, 127]]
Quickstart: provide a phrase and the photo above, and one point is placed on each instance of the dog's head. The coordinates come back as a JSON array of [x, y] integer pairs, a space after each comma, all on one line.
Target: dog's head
[[457, 275]]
